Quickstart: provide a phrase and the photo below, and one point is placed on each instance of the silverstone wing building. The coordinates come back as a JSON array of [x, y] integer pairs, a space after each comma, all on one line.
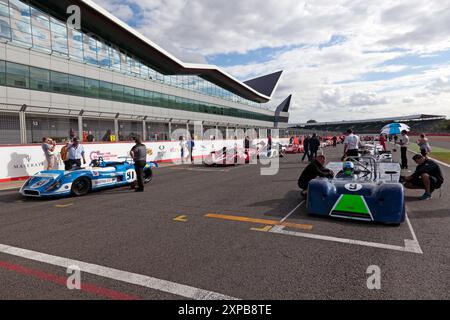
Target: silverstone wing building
[[105, 79]]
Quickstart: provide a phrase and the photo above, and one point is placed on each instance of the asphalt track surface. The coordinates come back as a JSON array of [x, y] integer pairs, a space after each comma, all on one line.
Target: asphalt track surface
[[136, 234]]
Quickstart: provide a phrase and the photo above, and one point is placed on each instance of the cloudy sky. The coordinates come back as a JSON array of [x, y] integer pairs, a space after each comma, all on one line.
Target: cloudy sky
[[342, 59]]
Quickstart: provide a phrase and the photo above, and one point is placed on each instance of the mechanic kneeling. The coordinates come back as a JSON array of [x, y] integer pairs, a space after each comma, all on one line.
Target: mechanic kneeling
[[313, 170], [428, 176]]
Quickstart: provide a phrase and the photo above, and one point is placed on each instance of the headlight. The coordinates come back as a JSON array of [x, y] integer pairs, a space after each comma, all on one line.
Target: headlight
[[55, 185]]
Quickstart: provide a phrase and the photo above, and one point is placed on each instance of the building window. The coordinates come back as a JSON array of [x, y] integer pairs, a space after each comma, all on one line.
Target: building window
[[9, 128], [2, 73], [129, 130], [104, 59], [98, 130], [59, 37], [20, 23], [115, 59], [157, 131], [17, 75], [76, 85], [91, 88], [128, 94], [138, 96], [75, 40], [57, 128], [39, 79], [90, 50], [59, 82], [117, 92], [5, 29], [105, 90]]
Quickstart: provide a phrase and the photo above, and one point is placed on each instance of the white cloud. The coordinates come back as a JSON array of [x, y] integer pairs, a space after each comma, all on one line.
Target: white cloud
[[327, 82], [360, 99]]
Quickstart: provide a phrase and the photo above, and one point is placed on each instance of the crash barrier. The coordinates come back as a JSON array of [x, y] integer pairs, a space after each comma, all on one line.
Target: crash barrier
[[20, 162]]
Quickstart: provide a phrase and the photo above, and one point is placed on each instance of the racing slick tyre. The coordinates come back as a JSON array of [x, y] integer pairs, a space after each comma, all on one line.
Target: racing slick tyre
[[148, 176], [81, 186]]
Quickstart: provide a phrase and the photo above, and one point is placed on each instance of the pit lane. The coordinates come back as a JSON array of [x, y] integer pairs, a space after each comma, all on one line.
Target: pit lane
[[143, 234]]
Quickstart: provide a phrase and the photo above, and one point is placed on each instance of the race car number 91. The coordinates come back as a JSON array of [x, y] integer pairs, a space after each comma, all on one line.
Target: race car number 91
[[130, 175]]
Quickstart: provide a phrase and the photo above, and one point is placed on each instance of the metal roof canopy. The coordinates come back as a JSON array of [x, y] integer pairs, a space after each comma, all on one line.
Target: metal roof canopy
[[420, 117], [98, 21]]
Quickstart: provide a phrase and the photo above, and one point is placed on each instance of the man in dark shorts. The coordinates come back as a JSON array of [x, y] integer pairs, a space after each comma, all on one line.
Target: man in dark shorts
[[428, 176]]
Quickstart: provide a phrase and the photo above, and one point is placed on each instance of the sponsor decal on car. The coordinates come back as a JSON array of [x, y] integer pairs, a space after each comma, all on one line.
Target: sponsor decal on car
[[101, 182], [107, 156]]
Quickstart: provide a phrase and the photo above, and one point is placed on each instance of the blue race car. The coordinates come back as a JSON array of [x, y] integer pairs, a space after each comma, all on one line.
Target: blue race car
[[78, 182], [372, 192]]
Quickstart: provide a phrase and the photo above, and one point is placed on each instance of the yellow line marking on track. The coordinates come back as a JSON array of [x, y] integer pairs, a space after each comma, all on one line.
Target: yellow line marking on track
[[18, 201], [263, 229], [64, 205], [260, 221], [181, 219]]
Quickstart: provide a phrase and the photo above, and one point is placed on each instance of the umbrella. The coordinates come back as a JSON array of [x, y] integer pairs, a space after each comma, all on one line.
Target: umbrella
[[395, 128]]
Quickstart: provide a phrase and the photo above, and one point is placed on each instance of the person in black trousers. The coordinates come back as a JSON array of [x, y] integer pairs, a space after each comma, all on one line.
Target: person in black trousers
[[139, 155], [404, 143], [306, 146], [314, 145]]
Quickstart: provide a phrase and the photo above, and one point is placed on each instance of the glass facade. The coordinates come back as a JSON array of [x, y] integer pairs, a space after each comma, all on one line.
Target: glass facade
[[57, 128], [157, 131], [129, 130], [98, 130], [20, 76], [29, 27], [9, 128]]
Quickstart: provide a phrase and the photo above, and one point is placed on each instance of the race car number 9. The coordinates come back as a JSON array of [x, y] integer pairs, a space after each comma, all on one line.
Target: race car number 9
[[354, 187], [130, 176]]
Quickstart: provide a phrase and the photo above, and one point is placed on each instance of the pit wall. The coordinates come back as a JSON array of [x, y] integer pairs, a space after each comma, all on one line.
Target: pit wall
[[20, 162]]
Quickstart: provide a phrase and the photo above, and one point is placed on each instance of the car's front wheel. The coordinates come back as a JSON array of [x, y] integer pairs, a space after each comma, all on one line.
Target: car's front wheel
[[81, 186]]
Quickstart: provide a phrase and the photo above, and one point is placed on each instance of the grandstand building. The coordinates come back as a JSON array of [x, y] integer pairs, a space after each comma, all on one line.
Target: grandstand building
[[418, 123], [106, 80]]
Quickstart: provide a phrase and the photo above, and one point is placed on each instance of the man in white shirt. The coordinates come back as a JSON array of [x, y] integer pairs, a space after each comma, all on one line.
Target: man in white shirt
[[404, 143], [76, 152], [351, 144]]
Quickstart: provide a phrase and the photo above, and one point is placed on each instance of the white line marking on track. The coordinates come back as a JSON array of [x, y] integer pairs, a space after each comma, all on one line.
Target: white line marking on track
[[292, 212], [410, 245], [123, 276]]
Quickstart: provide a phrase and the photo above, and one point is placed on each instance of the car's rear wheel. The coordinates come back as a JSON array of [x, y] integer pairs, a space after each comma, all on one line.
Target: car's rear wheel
[[148, 176], [81, 186]]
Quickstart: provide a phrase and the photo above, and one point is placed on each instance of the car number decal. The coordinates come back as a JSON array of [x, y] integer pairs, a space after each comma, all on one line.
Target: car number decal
[[354, 187]]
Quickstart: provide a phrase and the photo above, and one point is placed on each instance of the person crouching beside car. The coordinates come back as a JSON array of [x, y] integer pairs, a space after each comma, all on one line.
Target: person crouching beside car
[[314, 170], [428, 176]]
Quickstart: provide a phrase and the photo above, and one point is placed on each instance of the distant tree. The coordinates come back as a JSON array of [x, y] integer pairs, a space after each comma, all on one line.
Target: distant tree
[[312, 121]]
